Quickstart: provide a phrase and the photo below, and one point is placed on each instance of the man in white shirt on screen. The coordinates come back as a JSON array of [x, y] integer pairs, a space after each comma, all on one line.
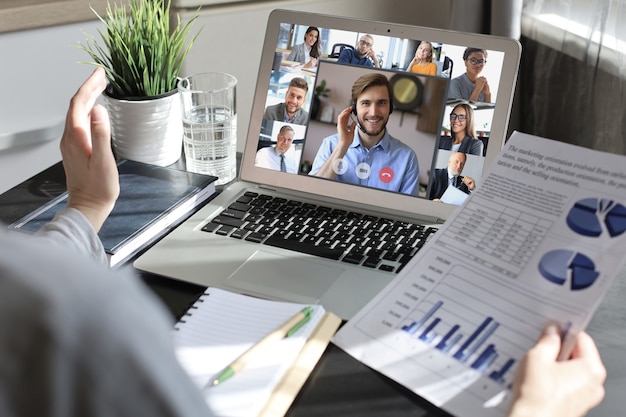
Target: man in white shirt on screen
[[278, 157]]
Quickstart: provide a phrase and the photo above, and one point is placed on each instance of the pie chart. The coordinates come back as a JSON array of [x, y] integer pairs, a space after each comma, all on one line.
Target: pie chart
[[592, 216], [563, 266]]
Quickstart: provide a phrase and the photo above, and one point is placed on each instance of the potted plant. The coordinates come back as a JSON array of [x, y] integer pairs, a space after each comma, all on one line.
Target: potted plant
[[320, 91], [142, 54]]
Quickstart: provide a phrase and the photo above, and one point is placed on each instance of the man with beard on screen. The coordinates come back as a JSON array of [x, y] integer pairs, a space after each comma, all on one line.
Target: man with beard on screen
[[363, 152]]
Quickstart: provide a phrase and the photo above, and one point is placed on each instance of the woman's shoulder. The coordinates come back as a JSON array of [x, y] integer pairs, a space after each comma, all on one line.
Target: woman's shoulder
[[459, 78], [474, 145], [431, 68], [445, 142], [297, 50], [470, 139]]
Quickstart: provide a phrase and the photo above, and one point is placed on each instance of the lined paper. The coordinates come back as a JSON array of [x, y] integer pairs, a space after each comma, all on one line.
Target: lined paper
[[221, 326]]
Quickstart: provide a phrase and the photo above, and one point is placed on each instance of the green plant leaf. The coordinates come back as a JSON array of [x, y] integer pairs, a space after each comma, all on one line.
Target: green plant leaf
[[140, 51]]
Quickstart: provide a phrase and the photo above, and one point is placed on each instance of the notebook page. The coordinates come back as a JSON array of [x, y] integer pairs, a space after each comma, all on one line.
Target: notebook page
[[221, 326]]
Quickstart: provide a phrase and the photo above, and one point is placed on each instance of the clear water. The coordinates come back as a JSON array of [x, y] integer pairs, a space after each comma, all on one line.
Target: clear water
[[210, 142]]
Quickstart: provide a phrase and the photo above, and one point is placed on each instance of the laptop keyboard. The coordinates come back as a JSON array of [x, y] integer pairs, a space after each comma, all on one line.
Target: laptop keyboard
[[346, 236]]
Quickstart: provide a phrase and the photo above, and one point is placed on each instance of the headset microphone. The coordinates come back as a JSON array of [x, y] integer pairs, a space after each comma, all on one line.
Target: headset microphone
[[356, 119]]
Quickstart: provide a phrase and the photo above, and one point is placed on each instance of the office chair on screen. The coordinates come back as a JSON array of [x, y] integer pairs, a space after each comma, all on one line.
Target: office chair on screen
[[446, 67], [337, 48]]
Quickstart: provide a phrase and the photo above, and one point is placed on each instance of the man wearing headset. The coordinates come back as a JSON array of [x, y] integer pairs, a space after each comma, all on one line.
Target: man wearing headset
[[363, 152]]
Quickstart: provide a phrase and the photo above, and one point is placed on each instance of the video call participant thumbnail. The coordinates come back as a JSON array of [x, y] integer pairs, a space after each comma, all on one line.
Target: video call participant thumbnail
[[462, 132], [451, 177], [291, 111], [363, 53], [277, 157], [471, 85], [368, 155]]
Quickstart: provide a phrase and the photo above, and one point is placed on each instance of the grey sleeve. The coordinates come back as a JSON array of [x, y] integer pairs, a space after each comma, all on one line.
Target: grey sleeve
[[302, 117], [70, 228], [454, 90], [297, 54], [477, 147], [84, 340], [271, 113]]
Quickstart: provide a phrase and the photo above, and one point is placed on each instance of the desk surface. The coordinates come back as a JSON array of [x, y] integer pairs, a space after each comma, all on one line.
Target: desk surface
[[340, 385]]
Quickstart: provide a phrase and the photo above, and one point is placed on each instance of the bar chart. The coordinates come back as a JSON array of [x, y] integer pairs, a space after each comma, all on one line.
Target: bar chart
[[437, 320], [475, 350]]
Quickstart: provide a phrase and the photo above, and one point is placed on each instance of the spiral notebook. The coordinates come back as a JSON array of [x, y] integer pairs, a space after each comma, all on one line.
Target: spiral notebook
[[221, 325]]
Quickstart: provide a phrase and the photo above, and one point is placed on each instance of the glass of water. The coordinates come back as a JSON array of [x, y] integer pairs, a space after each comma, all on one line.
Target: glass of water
[[210, 124]]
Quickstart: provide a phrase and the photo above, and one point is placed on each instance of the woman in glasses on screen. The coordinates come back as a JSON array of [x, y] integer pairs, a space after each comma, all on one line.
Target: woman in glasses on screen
[[462, 132], [471, 85]]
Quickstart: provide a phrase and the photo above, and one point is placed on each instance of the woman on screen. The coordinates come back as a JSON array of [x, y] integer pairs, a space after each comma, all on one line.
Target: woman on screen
[[309, 51], [471, 85], [422, 62], [462, 132]]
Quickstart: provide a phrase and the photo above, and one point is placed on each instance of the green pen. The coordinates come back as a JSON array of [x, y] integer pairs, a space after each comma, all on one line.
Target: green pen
[[287, 329]]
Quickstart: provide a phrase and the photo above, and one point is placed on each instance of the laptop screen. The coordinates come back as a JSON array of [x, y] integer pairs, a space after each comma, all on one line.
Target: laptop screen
[[402, 115]]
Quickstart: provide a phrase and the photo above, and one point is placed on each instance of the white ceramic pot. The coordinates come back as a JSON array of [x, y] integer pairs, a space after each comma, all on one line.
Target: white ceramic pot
[[149, 130]]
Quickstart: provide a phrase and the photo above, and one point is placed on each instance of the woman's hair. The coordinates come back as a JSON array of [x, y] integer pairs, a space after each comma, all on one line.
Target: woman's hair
[[470, 130], [430, 57], [468, 51], [316, 48]]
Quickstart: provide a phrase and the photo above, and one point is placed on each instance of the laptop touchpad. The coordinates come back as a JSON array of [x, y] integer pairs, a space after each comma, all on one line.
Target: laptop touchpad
[[285, 277]]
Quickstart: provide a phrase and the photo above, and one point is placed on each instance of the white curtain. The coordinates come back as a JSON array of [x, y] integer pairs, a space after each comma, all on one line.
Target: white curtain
[[572, 72]]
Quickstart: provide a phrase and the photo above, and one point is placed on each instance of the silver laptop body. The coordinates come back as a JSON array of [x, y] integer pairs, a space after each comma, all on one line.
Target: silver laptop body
[[234, 263]]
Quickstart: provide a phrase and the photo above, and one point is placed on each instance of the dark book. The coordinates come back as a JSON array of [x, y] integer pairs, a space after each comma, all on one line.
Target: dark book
[[152, 201]]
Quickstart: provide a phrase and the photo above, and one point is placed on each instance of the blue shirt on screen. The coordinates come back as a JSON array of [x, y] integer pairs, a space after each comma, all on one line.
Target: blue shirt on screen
[[388, 156], [349, 56]]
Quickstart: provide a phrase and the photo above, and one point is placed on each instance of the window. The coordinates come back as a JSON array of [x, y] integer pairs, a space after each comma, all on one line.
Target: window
[[589, 30]]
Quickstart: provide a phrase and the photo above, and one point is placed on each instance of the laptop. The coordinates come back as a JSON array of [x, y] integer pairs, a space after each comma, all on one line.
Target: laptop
[[230, 245]]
